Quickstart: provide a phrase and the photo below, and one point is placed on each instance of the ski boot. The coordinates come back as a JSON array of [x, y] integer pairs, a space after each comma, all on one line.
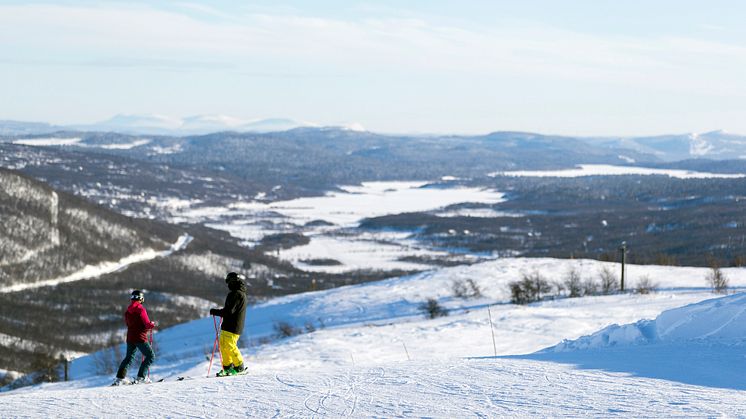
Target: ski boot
[[227, 370]]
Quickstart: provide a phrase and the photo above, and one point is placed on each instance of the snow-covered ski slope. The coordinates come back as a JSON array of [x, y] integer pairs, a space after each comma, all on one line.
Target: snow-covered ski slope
[[677, 352]]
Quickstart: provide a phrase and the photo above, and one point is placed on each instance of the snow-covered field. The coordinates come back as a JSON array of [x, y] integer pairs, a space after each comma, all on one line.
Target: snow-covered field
[[333, 219], [52, 141], [373, 354], [609, 170]]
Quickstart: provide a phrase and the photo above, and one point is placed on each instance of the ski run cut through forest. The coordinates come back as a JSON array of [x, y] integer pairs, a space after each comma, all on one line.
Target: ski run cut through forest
[[370, 351]]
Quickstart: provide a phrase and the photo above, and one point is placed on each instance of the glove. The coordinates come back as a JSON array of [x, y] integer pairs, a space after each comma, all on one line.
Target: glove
[[214, 312]]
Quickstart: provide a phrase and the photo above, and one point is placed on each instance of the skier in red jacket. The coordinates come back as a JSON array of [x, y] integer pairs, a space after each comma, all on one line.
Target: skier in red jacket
[[138, 325]]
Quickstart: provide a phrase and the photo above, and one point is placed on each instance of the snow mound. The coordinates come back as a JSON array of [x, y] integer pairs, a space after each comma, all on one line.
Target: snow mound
[[716, 320]]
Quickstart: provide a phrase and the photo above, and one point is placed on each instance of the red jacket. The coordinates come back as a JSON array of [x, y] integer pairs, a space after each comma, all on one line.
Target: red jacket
[[138, 323]]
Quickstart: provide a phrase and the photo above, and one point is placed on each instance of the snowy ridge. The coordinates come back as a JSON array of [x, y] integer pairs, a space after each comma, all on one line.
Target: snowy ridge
[[92, 271], [720, 319]]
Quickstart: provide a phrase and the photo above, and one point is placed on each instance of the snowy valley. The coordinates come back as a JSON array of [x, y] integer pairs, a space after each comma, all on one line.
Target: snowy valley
[[343, 280]]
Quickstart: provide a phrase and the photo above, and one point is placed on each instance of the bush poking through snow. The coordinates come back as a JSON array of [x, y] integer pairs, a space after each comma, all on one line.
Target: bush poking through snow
[[590, 287], [573, 283], [529, 289], [717, 280], [432, 309], [286, 330], [645, 285], [609, 281], [466, 288], [106, 361]]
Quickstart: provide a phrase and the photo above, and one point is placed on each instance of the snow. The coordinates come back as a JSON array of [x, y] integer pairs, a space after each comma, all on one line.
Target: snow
[[478, 213], [374, 354], [721, 319], [103, 268], [124, 146], [372, 199], [610, 170], [356, 255], [353, 126], [698, 146], [166, 150], [52, 141], [252, 220]]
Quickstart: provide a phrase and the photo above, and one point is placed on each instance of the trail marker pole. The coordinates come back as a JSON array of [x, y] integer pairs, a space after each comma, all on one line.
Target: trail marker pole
[[406, 351], [492, 329]]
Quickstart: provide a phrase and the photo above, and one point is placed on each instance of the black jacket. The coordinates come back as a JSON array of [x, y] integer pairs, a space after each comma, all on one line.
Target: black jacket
[[234, 311]]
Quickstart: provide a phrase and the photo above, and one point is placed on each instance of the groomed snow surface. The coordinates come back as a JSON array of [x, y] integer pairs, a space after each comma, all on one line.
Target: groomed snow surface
[[676, 352]]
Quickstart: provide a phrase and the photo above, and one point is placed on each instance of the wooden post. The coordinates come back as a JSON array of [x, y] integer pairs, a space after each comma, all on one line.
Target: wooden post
[[406, 351], [65, 364]]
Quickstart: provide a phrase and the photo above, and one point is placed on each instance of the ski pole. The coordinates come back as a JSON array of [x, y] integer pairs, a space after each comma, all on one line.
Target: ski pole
[[215, 344], [152, 348]]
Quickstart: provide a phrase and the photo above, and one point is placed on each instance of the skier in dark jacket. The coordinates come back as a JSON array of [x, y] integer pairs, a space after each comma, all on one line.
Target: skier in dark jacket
[[138, 325], [233, 314]]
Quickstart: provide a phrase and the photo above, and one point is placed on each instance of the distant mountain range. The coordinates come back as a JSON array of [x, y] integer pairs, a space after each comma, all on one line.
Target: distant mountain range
[[715, 145], [152, 124], [193, 125]]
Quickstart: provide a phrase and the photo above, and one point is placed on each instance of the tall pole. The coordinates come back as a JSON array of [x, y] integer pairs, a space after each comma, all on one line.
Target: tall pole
[[65, 362], [492, 329], [623, 249]]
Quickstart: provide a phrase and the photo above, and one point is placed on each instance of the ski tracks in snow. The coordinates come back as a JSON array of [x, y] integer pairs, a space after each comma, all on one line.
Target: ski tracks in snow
[[486, 387]]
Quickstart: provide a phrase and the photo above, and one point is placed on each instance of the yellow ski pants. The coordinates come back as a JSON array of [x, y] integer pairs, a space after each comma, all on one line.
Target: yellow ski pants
[[229, 350]]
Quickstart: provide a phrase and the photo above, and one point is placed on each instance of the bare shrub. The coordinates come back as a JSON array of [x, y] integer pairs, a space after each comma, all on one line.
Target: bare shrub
[[106, 361], [47, 367], [717, 280], [286, 330], [590, 287], [531, 287], [520, 292], [433, 309], [609, 281], [466, 288], [645, 285], [573, 283]]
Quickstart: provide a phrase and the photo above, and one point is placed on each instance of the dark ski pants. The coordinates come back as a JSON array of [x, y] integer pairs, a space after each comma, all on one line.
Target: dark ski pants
[[132, 348]]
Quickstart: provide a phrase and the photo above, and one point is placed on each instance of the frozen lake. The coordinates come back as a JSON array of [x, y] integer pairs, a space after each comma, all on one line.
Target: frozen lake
[[609, 170], [330, 222]]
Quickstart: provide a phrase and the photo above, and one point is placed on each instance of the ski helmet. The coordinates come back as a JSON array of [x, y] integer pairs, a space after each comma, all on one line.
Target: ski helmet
[[232, 276], [137, 295]]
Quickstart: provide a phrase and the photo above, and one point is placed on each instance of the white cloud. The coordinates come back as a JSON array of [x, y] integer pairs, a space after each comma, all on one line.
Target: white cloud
[[117, 33], [289, 44]]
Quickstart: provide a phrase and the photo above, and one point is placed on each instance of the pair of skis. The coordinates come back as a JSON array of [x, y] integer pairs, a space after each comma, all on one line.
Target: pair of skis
[[133, 382]]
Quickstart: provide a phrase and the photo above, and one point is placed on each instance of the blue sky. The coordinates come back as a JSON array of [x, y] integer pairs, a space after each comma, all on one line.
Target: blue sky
[[567, 67]]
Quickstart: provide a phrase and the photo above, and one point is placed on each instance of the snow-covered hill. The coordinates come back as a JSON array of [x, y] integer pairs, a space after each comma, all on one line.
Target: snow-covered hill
[[715, 145], [151, 124], [372, 353]]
